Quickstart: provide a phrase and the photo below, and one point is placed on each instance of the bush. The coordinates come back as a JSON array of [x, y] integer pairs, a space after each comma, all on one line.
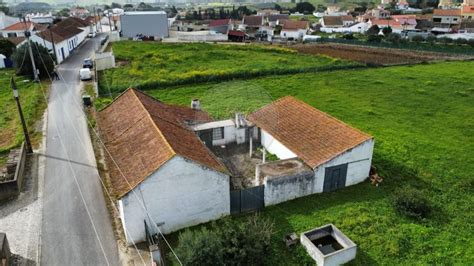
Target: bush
[[393, 38], [387, 30], [348, 36], [201, 247], [417, 38], [374, 38], [411, 202], [374, 30], [234, 243], [431, 39]]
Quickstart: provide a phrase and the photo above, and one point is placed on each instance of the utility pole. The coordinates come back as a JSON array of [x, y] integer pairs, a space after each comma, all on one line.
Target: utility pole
[[52, 42], [29, 149], [27, 35], [110, 23]]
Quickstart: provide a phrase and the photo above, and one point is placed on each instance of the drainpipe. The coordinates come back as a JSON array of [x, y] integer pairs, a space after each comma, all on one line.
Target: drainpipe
[[251, 141]]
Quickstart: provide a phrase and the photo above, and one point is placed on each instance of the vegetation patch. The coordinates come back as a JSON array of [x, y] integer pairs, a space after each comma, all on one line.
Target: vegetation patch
[[33, 104], [157, 65]]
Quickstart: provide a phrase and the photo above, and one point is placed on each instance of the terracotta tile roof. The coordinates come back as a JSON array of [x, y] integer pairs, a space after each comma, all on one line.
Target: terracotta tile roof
[[21, 26], [236, 33], [253, 20], [447, 12], [347, 18], [46, 35], [142, 134], [219, 22], [333, 21], [289, 24], [315, 137], [275, 17], [16, 40], [73, 22], [468, 9]]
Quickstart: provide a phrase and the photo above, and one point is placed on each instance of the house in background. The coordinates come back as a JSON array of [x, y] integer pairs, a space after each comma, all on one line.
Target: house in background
[[251, 24], [273, 20], [221, 25], [332, 22], [292, 29], [18, 29], [147, 23], [169, 177], [79, 12], [446, 18]]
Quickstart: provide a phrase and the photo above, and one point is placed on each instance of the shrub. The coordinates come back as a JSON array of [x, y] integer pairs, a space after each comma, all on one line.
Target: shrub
[[374, 30], [234, 243], [411, 202], [43, 60], [374, 38], [387, 30], [393, 38], [417, 38], [431, 39], [348, 36]]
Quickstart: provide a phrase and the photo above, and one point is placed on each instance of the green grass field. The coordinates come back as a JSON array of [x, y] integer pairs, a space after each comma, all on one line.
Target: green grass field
[[33, 104], [155, 65], [422, 118]]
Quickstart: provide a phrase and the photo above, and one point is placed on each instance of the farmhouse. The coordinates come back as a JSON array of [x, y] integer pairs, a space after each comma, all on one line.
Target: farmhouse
[[175, 167], [18, 29], [293, 29], [221, 25], [161, 172]]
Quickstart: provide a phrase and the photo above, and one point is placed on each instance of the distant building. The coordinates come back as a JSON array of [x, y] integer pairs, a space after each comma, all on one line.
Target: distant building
[[79, 12], [18, 29], [446, 18], [292, 29], [148, 23], [40, 18], [221, 25]]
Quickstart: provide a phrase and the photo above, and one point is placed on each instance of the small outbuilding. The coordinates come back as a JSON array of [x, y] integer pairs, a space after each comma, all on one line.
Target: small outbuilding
[[338, 154]]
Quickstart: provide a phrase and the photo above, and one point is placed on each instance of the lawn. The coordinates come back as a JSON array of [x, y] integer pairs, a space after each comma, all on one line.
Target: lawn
[[154, 65], [33, 104], [422, 118]]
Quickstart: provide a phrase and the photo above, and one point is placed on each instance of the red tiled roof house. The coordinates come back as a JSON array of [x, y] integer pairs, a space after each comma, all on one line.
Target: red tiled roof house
[[161, 172]]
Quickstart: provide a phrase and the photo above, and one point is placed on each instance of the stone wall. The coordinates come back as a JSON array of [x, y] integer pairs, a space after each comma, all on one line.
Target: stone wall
[[11, 176]]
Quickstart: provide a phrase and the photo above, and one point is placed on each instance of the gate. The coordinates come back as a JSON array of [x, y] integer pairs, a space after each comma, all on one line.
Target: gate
[[246, 200]]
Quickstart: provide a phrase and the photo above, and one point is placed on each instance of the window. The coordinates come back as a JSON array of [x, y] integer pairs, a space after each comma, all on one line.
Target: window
[[218, 133]]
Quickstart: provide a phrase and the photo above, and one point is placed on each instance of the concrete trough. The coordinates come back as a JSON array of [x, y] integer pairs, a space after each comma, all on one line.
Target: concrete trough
[[328, 246]]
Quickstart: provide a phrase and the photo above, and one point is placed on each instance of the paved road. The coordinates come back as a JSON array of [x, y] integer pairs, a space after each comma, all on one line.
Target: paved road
[[76, 229]]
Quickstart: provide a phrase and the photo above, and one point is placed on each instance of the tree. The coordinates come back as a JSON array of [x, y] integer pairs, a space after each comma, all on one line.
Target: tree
[[64, 12], [202, 247], [4, 9], [305, 8], [6, 47], [128, 6], [278, 7], [387, 30], [393, 38], [116, 5], [374, 30], [43, 60]]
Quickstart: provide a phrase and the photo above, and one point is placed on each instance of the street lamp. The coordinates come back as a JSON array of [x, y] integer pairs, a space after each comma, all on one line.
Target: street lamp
[[29, 149]]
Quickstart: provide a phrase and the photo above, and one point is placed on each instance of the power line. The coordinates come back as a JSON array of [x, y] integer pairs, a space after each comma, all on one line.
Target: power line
[[102, 143]]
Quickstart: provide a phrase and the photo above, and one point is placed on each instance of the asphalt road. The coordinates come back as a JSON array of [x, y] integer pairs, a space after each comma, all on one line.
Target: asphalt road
[[76, 227]]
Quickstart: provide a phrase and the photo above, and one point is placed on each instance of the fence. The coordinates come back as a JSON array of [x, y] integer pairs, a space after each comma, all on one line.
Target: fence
[[449, 49], [13, 187], [246, 200]]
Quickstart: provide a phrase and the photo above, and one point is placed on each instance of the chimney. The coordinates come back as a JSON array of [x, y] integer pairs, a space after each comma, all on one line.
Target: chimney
[[196, 104]]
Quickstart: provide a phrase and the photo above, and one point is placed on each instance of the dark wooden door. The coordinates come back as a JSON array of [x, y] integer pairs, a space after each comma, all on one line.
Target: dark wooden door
[[335, 177], [206, 137]]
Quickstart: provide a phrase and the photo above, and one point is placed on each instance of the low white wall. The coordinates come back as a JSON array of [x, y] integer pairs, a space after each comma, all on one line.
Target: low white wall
[[104, 61], [359, 160], [201, 36], [180, 194], [274, 146]]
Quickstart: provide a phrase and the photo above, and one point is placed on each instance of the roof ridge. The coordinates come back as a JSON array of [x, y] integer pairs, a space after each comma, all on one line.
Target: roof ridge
[[153, 122]]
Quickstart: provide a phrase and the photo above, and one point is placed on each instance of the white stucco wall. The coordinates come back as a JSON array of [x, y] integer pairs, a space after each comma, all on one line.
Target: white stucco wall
[[181, 193], [274, 146], [295, 34], [229, 136], [359, 160], [58, 46]]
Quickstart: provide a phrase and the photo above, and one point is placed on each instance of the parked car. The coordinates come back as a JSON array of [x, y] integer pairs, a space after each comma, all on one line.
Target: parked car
[[85, 74], [88, 63], [104, 40], [91, 34]]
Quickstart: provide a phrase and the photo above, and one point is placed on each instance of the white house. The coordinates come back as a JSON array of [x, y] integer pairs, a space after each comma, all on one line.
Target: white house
[[338, 154], [293, 29], [447, 17], [18, 29], [360, 27], [67, 36], [161, 172]]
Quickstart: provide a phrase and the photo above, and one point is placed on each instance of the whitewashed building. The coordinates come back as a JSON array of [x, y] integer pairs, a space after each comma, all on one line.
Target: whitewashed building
[[293, 29], [337, 154], [161, 173]]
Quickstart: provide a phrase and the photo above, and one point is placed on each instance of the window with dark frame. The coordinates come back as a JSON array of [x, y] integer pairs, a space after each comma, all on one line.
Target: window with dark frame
[[218, 133]]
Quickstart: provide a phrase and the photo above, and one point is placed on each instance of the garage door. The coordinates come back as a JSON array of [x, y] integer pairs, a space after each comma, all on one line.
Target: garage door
[[335, 177]]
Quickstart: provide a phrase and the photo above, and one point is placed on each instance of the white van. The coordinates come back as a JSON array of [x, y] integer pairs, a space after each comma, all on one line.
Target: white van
[[85, 74]]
